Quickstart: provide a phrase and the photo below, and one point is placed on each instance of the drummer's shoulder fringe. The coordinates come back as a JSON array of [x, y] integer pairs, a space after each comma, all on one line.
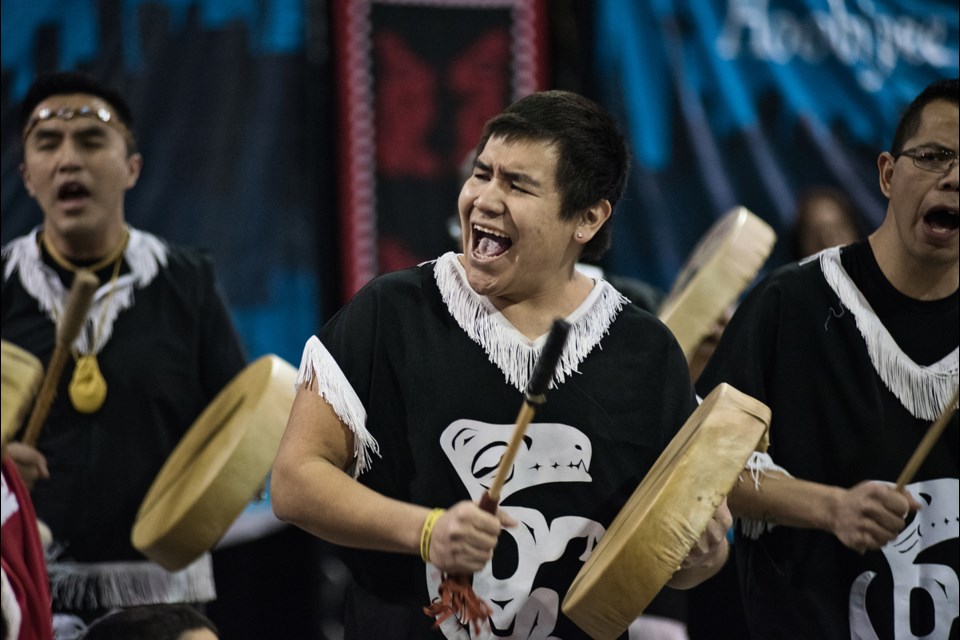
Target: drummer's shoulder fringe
[[319, 367], [506, 348], [922, 390], [107, 585], [759, 464]]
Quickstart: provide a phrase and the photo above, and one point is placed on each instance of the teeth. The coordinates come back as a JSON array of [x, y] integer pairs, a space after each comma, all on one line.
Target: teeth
[[492, 232]]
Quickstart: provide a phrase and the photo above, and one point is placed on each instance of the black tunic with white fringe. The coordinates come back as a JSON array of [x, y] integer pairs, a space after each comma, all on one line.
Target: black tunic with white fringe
[[429, 377], [854, 373], [165, 345]]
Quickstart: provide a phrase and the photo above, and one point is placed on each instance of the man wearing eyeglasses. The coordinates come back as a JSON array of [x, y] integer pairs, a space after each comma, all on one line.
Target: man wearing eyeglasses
[[155, 348], [856, 352]]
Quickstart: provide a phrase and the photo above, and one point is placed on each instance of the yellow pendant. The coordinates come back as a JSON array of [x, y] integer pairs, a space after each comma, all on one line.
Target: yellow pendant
[[88, 389]]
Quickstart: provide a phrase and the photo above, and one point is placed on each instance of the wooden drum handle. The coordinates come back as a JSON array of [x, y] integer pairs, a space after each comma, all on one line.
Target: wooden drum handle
[[925, 446], [74, 313], [534, 396]]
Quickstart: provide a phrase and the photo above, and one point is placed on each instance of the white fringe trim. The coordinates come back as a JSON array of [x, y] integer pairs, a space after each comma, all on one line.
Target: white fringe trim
[[333, 386], [923, 391], [758, 465], [145, 254], [106, 585], [507, 348]]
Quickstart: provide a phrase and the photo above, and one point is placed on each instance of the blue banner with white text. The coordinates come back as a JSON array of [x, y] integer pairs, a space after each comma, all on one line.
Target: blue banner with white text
[[753, 102]]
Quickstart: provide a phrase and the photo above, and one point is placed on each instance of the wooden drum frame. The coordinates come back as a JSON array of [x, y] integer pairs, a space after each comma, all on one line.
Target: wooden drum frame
[[666, 515], [218, 466], [721, 266], [22, 374]]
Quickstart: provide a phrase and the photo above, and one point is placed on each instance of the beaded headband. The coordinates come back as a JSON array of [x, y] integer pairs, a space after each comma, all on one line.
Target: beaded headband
[[69, 113]]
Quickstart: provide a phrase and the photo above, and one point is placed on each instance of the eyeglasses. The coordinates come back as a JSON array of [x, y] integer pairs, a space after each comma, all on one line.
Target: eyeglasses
[[936, 159]]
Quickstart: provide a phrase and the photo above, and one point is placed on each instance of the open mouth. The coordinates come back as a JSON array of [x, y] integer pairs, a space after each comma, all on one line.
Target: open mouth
[[942, 219], [489, 243], [72, 191]]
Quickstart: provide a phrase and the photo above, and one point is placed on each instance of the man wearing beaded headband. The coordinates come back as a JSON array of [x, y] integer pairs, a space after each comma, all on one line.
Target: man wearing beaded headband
[[97, 109], [155, 348]]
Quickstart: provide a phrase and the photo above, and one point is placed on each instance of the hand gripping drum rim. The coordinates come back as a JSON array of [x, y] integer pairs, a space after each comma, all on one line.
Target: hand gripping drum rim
[[667, 513]]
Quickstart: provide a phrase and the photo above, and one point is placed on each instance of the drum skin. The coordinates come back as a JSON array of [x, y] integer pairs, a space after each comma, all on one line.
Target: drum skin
[[218, 466], [667, 513], [721, 266]]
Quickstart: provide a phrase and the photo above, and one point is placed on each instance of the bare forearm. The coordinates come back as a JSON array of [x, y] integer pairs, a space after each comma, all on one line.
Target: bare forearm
[[782, 500], [863, 517], [310, 489], [325, 501]]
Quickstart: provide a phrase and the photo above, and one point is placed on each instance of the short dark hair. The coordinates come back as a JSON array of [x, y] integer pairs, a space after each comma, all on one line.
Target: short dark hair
[[947, 90], [592, 157], [149, 622], [62, 83]]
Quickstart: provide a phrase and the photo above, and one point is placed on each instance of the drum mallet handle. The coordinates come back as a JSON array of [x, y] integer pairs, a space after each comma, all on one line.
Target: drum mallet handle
[[929, 439], [533, 397], [457, 596], [74, 313]]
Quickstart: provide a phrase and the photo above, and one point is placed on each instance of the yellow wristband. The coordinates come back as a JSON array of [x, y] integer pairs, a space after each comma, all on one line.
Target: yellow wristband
[[427, 531]]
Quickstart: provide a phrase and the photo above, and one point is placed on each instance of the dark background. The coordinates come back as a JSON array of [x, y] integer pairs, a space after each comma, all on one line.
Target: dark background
[[240, 116]]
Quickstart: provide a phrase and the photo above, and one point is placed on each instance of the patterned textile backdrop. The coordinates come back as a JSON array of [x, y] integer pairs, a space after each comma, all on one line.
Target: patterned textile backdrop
[[415, 83]]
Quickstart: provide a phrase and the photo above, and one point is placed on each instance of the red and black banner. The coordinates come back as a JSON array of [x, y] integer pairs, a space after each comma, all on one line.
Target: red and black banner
[[416, 81]]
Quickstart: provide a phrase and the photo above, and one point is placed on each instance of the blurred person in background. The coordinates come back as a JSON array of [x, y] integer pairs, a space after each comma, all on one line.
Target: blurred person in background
[[825, 218]]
